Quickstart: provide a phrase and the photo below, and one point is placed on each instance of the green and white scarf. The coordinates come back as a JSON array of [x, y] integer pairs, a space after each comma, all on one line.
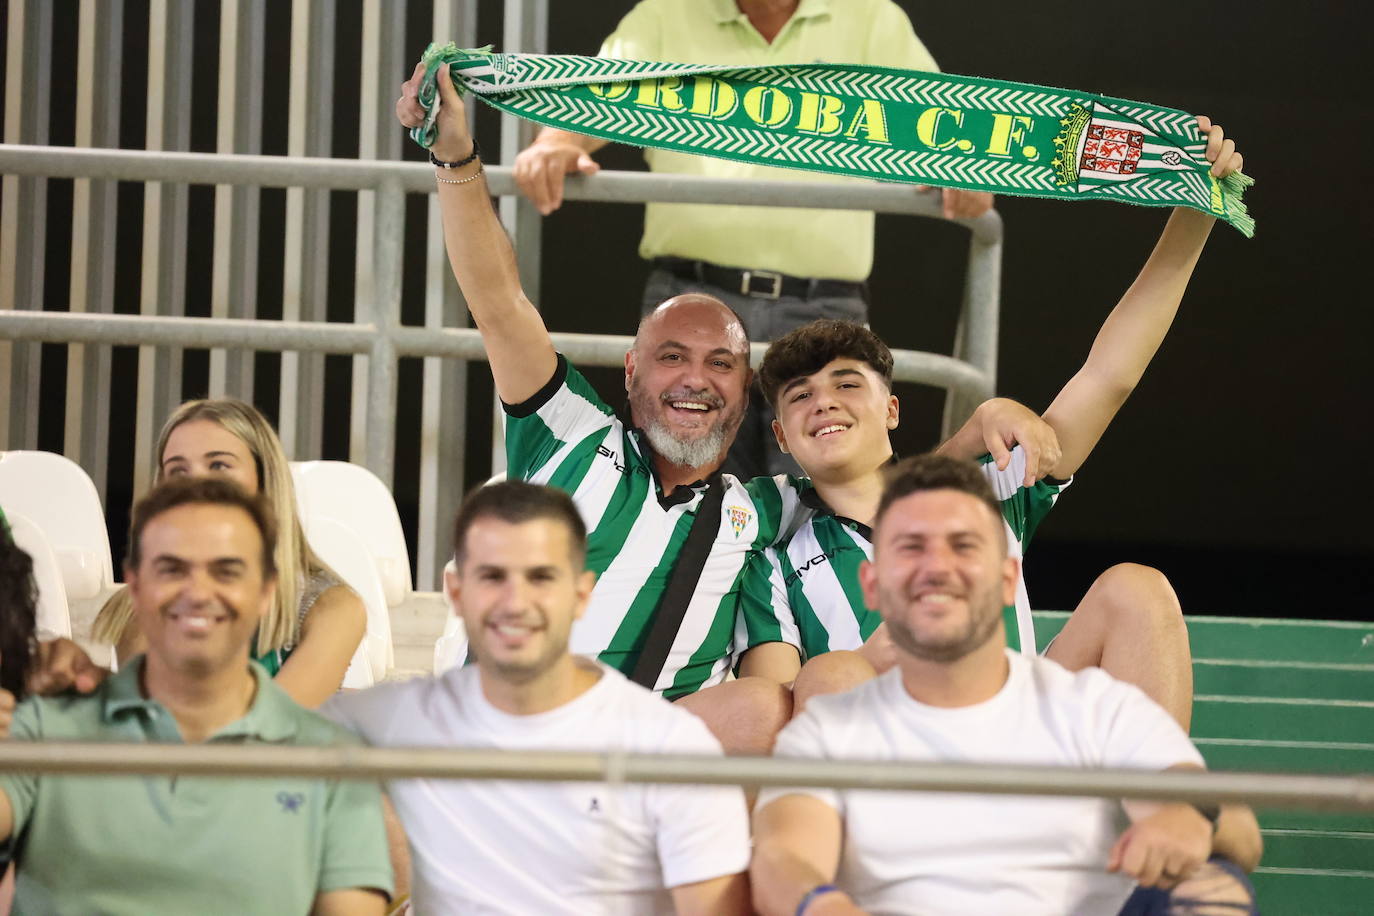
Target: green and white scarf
[[869, 122]]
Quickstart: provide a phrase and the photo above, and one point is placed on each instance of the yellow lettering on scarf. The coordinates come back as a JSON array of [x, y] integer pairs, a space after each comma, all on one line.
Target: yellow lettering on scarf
[[1008, 129], [871, 119], [1218, 204], [611, 92], [713, 98], [820, 114], [928, 124], [664, 93], [767, 106]]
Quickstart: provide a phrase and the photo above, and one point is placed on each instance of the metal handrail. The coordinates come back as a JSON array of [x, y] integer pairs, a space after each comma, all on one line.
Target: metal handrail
[[414, 177], [1312, 792], [341, 337]]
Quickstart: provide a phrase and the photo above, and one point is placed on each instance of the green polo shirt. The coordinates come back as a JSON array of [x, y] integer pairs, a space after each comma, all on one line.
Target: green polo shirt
[[806, 243], [158, 844]]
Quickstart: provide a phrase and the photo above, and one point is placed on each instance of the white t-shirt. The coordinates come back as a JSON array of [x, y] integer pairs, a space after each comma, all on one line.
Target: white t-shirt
[[939, 853], [490, 846]]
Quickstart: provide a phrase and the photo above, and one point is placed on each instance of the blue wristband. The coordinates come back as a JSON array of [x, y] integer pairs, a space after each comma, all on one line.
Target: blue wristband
[[811, 896]]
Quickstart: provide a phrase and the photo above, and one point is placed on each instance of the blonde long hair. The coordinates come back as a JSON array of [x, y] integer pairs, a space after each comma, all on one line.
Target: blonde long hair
[[295, 560]]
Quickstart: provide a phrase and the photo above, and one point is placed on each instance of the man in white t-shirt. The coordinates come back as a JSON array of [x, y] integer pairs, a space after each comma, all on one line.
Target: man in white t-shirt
[[940, 577], [519, 847]]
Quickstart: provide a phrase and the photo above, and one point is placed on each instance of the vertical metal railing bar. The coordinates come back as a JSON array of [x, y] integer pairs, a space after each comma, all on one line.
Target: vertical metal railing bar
[[378, 138], [443, 410], [163, 288], [386, 316], [234, 286], [527, 30], [975, 339], [306, 263], [98, 68], [24, 213]]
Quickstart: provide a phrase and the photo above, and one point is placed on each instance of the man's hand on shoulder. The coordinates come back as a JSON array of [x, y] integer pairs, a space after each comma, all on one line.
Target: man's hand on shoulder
[[997, 426], [61, 665], [541, 167], [1163, 848], [7, 705]]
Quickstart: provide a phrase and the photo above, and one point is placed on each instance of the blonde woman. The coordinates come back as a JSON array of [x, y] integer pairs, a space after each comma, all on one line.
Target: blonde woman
[[308, 638]]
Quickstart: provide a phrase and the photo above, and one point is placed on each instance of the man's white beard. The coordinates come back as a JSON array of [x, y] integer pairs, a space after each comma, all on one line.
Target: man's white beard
[[689, 453]]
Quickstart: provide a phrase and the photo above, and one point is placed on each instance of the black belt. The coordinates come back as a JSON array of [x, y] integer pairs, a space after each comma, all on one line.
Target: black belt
[[763, 284]]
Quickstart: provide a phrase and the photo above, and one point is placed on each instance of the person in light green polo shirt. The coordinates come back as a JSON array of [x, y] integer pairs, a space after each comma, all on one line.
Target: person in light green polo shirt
[[200, 574], [779, 268]]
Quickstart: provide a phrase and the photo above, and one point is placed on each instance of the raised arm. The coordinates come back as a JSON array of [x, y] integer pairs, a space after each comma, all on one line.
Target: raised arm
[[518, 347], [1134, 330]]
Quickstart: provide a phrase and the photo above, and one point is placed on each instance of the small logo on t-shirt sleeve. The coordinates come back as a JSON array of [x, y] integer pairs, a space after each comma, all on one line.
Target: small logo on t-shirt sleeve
[[290, 802]]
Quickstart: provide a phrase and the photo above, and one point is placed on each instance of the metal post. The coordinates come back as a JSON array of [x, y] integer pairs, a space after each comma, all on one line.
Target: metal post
[[975, 338], [234, 285], [379, 137], [527, 30], [386, 316], [24, 212], [443, 423], [305, 284], [163, 290], [99, 52]]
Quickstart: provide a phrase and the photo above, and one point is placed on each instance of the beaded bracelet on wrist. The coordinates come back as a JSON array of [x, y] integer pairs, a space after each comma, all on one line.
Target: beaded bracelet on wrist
[[476, 151], [473, 177]]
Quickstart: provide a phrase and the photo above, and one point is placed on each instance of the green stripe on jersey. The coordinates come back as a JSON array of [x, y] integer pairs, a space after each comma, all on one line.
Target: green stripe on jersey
[[572, 440], [807, 593]]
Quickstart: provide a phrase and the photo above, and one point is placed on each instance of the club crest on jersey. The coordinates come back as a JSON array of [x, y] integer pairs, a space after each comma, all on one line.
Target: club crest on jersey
[[739, 517]]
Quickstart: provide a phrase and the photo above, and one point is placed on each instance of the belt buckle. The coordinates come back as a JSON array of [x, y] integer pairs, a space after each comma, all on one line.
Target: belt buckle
[[747, 282]]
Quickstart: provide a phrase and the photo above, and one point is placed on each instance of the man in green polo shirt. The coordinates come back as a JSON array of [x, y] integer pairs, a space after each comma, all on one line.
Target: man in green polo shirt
[[831, 385], [200, 574]]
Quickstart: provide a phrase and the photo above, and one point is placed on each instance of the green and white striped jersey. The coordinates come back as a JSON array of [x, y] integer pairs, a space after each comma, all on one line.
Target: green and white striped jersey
[[805, 591], [566, 436]]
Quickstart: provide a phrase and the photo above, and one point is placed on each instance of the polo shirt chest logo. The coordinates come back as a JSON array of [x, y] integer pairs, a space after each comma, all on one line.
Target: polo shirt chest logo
[[291, 802], [739, 519]]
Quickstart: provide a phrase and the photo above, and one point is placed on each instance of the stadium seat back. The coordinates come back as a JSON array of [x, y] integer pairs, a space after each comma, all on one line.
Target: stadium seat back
[[346, 554], [354, 496], [53, 618], [59, 497], [451, 649]]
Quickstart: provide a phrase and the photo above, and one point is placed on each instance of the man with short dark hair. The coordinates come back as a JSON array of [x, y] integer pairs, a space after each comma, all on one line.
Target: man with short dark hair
[[831, 385], [200, 575], [519, 583], [940, 577]]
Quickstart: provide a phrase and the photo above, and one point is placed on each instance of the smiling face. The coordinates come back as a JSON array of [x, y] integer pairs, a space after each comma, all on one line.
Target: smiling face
[[519, 591], [688, 377], [836, 421], [199, 589], [940, 574], [199, 448]]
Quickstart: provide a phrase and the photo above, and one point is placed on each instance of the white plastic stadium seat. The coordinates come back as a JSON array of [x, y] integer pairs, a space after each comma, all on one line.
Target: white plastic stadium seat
[[53, 617], [340, 548], [59, 497], [452, 648], [354, 496]]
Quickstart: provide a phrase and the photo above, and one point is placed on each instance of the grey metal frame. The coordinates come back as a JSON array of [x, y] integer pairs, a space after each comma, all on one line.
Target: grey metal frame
[[969, 376], [1346, 794]]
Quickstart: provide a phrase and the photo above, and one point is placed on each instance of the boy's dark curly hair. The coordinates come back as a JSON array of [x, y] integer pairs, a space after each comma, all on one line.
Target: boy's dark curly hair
[[18, 612], [811, 347]]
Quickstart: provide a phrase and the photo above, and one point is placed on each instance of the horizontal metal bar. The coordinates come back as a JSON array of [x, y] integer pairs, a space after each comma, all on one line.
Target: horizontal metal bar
[[338, 337], [358, 175], [194, 333], [1342, 793]]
